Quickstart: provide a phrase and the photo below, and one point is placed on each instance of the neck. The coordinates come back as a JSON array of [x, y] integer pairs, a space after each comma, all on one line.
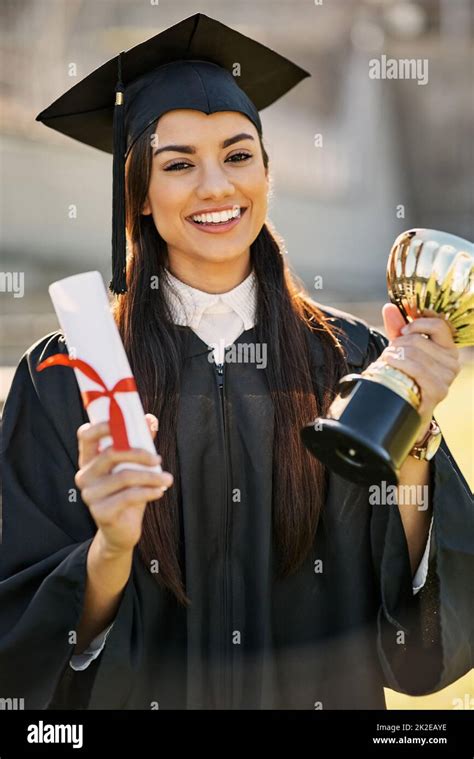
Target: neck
[[209, 276]]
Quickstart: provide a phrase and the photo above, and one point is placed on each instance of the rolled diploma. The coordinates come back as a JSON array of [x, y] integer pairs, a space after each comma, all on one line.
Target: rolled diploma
[[83, 311]]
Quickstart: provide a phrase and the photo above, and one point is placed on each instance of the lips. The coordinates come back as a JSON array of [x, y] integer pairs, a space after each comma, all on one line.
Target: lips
[[200, 212], [219, 227]]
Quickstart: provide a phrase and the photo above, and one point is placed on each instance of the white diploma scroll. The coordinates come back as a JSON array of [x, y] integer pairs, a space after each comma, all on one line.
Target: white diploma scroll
[[84, 313]]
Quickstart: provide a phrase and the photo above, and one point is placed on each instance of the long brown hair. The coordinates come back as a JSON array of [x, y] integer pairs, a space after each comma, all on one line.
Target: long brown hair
[[285, 316]]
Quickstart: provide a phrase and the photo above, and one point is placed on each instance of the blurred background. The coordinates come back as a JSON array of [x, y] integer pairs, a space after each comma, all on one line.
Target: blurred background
[[355, 160]]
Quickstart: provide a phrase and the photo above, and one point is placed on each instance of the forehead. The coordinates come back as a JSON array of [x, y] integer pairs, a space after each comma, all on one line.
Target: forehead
[[182, 123]]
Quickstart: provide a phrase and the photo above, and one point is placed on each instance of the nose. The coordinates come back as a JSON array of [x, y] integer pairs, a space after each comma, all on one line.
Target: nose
[[214, 183]]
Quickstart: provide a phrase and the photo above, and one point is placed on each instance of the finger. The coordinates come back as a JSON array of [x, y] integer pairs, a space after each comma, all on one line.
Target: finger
[[127, 478], [393, 320], [442, 356], [129, 498], [433, 381], [89, 436], [153, 424], [438, 329], [422, 364], [104, 462]]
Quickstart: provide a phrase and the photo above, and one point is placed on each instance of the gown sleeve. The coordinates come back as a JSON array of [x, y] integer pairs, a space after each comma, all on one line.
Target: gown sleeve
[[47, 529], [424, 640]]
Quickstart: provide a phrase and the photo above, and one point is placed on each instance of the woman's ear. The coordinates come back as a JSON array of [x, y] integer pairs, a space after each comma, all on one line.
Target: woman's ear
[[146, 210]]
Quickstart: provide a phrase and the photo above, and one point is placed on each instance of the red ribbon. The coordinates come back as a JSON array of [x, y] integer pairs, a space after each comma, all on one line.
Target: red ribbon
[[118, 429]]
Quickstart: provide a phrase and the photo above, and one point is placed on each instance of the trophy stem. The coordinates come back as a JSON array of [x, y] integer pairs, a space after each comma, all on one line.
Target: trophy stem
[[396, 380]]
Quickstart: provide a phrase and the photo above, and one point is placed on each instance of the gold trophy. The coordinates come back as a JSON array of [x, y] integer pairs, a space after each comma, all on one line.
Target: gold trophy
[[373, 422]]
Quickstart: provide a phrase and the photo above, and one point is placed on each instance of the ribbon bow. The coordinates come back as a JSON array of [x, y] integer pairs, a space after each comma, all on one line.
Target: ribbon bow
[[118, 429]]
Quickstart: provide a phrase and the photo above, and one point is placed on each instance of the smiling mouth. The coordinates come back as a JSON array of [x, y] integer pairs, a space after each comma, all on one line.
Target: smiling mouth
[[205, 225]]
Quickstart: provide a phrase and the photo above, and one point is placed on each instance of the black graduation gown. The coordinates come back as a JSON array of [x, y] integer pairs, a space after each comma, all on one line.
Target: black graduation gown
[[314, 640]]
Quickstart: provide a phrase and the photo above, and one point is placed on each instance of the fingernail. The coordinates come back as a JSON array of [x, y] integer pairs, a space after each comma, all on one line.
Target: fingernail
[[404, 329]]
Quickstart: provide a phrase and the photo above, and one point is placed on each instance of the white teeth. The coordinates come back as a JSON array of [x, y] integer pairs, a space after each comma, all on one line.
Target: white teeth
[[217, 217]]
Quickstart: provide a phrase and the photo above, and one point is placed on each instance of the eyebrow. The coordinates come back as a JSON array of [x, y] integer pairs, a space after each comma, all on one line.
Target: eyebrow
[[190, 149]]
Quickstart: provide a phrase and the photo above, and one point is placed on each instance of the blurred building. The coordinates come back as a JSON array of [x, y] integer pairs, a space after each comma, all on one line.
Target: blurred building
[[354, 160]]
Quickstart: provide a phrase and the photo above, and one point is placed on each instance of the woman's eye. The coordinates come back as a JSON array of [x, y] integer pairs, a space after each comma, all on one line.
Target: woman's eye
[[176, 166], [235, 158], [240, 156]]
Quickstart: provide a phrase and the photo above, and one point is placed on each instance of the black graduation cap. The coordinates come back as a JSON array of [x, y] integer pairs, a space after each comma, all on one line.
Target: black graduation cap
[[193, 64]]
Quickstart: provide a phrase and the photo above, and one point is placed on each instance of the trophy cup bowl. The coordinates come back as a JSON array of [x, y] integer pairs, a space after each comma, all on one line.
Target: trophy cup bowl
[[373, 422]]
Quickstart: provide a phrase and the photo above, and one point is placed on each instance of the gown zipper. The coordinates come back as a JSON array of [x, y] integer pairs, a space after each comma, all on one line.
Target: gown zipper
[[226, 660]]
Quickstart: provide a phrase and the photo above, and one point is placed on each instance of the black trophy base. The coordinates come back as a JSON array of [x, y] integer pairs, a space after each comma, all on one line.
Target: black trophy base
[[369, 434]]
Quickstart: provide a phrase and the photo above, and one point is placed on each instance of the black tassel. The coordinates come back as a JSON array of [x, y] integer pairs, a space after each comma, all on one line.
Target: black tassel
[[118, 283]]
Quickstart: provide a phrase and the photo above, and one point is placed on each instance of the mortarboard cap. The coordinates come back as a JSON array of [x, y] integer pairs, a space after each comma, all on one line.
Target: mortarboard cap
[[189, 65]]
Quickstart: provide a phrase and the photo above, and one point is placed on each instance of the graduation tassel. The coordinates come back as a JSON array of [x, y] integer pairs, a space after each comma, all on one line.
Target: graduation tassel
[[118, 283]]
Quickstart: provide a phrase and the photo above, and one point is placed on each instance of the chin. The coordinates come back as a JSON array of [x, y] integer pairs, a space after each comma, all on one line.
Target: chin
[[221, 253], [219, 257]]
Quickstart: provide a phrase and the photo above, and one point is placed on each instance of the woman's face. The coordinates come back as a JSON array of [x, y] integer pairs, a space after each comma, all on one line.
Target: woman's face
[[207, 164]]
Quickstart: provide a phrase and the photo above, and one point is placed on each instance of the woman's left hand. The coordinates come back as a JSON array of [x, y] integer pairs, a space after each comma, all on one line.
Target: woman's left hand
[[433, 363]]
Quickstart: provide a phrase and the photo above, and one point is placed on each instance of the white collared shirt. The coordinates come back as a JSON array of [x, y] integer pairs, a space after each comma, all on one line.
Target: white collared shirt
[[217, 318]]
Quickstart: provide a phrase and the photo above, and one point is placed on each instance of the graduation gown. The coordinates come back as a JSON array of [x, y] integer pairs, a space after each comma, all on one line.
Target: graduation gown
[[329, 639]]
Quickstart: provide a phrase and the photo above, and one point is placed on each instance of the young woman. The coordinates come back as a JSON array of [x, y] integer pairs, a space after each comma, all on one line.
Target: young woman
[[246, 575]]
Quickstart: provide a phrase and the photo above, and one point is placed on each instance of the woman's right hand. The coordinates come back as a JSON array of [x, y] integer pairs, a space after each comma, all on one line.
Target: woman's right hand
[[117, 501]]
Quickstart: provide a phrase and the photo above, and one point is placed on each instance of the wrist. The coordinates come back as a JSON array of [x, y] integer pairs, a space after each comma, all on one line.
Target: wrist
[[107, 552], [423, 431], [426, 446], [108, 568]]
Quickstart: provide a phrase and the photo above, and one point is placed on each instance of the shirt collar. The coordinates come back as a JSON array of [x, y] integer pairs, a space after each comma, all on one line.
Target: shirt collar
[[189, 304]]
